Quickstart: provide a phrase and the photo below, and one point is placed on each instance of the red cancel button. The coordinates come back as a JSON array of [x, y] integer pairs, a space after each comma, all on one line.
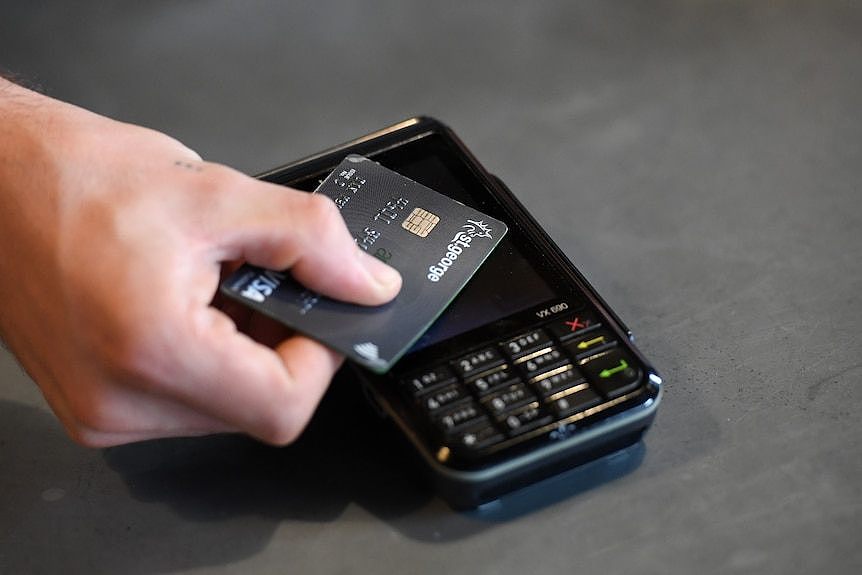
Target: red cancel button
[[574, 324]]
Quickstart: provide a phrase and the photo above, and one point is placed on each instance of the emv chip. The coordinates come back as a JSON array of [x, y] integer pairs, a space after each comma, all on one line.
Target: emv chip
[[420, 222]]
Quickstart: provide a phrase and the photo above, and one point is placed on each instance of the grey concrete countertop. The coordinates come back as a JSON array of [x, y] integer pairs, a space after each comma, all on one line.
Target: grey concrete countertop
[[701, 162]]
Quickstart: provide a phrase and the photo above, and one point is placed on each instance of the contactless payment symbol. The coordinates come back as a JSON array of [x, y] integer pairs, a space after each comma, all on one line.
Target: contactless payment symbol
[[367, 350], [420, 222]]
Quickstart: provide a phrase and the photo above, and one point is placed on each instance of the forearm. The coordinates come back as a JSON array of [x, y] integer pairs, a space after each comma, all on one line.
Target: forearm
[[28, 204], [17, 99], [30, 126]]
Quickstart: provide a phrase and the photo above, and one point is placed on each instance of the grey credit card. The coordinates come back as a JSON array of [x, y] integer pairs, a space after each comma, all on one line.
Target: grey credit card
[[435, 242]]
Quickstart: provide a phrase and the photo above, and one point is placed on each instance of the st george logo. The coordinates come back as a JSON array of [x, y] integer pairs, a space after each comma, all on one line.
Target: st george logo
[[462, 241], [477, 229]]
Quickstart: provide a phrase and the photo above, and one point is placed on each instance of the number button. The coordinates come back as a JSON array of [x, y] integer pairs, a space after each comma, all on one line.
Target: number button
[[442, 398], [513, 396], [540, 362], [477, 362], [581, 399], [550, 383], [526, 343], [491, 381], [458, 417], [419, 383], [526, 419]]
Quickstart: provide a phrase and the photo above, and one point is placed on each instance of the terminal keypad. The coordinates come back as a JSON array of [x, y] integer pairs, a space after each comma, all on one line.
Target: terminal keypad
[[560, 372]]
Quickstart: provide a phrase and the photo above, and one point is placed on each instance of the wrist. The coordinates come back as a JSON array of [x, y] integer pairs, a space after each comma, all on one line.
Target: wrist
[[24, 118], [15, 99]]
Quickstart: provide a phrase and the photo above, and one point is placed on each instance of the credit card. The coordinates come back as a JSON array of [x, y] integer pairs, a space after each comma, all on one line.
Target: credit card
[[435, 242]]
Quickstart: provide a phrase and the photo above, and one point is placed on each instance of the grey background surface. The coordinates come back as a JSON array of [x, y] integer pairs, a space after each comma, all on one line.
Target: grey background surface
[[699, 161]]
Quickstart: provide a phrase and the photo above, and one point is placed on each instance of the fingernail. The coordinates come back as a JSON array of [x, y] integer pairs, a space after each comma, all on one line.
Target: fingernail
[[384, 275]]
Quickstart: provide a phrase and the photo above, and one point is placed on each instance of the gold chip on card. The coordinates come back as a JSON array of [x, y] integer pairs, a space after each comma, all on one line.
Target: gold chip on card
[[420, 222]]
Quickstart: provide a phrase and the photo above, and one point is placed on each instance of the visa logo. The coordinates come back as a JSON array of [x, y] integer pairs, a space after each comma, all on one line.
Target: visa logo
[[262, 285]]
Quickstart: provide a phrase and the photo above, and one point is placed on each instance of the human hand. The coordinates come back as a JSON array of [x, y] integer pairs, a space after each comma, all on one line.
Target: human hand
[[111, 248]]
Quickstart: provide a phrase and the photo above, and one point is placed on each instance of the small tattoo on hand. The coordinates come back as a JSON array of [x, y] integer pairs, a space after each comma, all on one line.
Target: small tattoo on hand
[[189, 166]]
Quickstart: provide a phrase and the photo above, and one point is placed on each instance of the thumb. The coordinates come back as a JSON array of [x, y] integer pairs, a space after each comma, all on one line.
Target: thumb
[[278, 228]]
